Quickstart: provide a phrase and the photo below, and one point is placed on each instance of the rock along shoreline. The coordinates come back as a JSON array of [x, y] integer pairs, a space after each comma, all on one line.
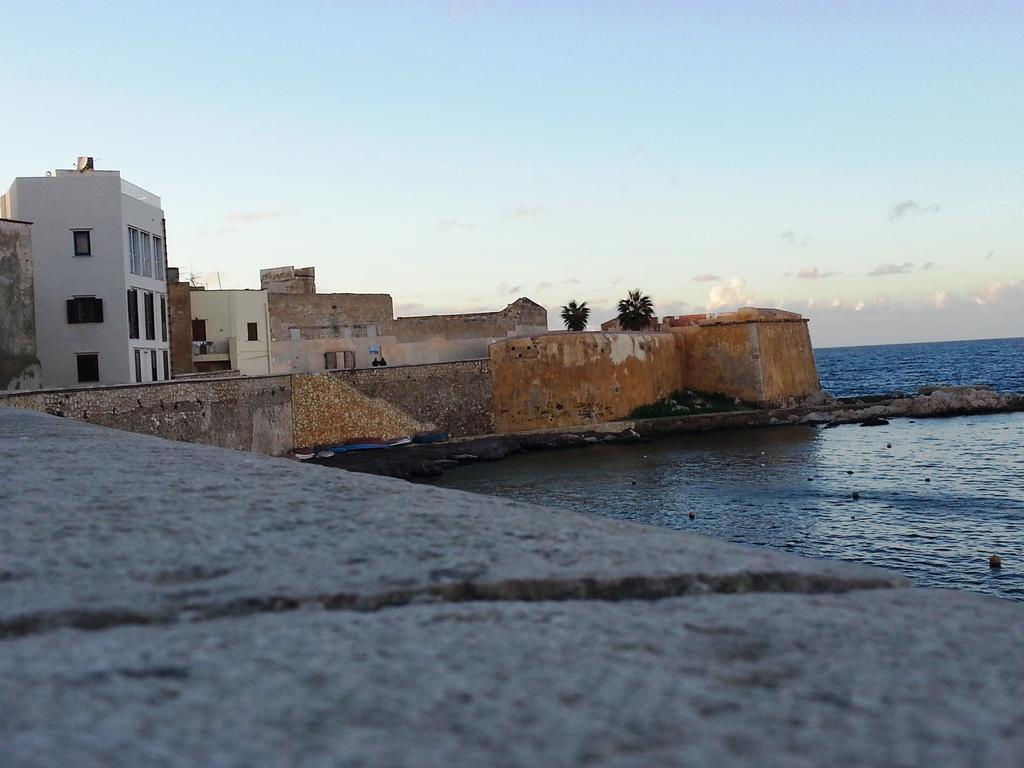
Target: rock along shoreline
[[416, 462]]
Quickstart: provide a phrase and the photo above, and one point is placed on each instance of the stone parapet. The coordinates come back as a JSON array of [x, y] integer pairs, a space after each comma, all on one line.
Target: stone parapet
[[166, 604]]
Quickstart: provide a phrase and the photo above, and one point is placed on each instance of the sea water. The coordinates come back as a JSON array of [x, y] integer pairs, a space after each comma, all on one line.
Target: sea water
[[930, 498]]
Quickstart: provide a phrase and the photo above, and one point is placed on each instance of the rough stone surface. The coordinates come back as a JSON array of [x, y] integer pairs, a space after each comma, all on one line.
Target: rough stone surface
[[456, 397], [244, 413], [328, 410], [881, 678], [19, 366], [296, 615], [131, 529], [577, 379]]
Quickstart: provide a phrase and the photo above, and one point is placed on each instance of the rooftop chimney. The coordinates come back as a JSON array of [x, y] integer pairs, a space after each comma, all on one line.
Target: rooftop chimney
[[84, 164]]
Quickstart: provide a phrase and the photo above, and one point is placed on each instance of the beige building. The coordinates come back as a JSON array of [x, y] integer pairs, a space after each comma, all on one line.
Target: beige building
[[312, 331], [230, 332]]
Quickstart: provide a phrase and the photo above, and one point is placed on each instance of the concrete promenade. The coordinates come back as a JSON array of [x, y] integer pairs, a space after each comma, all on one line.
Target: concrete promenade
[[171, 604]]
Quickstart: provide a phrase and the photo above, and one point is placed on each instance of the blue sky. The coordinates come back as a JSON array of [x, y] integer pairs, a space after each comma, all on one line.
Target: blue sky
[[858, 162]]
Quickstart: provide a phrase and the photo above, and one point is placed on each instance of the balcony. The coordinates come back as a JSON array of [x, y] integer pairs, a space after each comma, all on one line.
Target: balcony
[[210, 351]]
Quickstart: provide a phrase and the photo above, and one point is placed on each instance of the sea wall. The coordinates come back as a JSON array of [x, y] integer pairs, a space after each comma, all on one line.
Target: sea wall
[[246, 414], [573, 379], [456, 397], [760, 356], [271, 414]]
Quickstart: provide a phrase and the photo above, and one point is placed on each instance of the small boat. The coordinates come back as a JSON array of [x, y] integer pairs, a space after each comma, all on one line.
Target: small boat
[[325, 454], [303, 453], [357, 447], [430, 437], [399, 441]]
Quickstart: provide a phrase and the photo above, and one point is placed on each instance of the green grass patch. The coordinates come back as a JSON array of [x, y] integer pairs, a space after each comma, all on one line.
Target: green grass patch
[[687, 403]]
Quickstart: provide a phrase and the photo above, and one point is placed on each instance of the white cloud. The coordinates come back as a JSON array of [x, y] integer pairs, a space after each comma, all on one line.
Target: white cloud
[[453, 225], [892, 269], [909, 208], [528, 212], [706, 277], [732, 294], [812, 273], [997, 293]]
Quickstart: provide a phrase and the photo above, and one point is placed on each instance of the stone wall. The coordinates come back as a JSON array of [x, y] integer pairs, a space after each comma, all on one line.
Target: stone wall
[[757, 355], [572, 379], [329, 315], [271, 414], [329, 411], [179, 319], [521, 317], [246, 414], [456, 397], [19, 366]]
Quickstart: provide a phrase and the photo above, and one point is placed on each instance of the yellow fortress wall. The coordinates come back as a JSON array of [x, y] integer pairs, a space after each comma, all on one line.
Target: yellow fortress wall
[[570, 379], [762, 356]]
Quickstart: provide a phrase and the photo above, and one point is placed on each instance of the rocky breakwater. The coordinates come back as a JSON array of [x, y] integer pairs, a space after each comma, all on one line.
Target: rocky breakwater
[[929, 402]]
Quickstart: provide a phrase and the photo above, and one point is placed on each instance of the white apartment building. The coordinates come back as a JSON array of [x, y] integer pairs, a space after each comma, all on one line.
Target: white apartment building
[[100, 276]]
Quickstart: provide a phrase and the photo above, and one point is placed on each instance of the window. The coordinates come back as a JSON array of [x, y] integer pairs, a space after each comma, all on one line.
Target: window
[[158, 259], [88, 368], [152, 362], [133, 313], [198, 330], [253, 331], [134, 250], [147, 304], [163, 318], [138, 365], [167, 367], [83, 242], [330, 360], [147, 255], [85, 309]]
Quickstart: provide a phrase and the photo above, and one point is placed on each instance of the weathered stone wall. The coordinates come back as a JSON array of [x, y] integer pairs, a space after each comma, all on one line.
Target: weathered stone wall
[[327, 411], [788, 369], [246, 414], [760, 356], [720, 359], [179, 311], [571, 379], [288, 280], [271, 414], [328, 315], [19, 366], [521, 317], [456, 397]]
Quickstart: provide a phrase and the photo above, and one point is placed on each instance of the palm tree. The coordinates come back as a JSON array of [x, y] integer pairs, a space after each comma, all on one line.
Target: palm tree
[[575, 316], [635, 312]]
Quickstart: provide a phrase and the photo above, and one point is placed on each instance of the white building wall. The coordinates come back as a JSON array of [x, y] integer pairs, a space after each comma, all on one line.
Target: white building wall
[[227, 315], [92, 201]]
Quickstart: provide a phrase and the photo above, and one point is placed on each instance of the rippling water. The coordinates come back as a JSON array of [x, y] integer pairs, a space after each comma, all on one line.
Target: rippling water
[[945, 496], [850, 371]]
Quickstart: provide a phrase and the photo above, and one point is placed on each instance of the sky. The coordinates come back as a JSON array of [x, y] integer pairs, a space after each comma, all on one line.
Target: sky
[[860, 163]]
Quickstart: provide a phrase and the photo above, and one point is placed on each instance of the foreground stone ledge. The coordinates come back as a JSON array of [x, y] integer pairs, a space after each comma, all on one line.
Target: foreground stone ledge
[[100, 528], [879, 678]]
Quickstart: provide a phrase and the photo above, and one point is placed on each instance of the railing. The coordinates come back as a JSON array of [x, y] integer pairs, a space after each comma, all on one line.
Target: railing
[[221, 347]]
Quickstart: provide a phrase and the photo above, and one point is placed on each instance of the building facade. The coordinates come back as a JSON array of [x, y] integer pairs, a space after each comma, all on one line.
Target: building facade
[[99, 276], [312, 331], [19, 366], [230, 332]]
